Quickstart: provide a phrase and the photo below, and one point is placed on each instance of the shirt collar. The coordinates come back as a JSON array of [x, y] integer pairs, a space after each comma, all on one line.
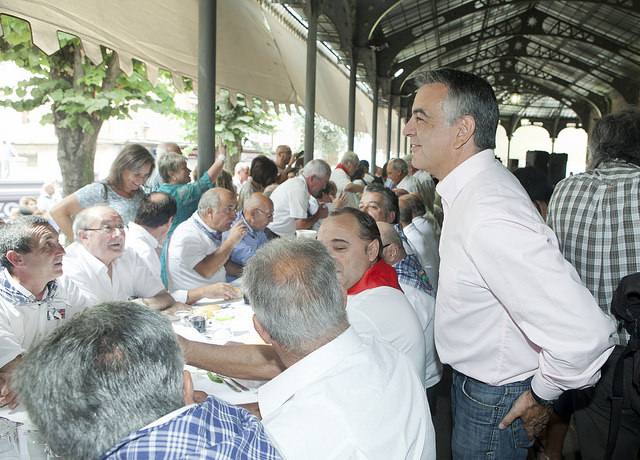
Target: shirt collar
[[139, 231], [454, 182], [14, 292], [78, 251], [308, 370], [250, 230], [210, 232], [379, 274]]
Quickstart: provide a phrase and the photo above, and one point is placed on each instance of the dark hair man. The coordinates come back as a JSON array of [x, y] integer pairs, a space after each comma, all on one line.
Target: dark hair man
[[514, 321]]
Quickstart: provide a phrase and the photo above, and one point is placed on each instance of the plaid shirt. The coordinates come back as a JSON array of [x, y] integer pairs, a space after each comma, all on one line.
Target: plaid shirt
[[596, 216], [211, 430], [411, 272]]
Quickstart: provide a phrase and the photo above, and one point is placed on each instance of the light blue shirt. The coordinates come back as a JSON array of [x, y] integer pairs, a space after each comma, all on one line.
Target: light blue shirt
[[247, 247]]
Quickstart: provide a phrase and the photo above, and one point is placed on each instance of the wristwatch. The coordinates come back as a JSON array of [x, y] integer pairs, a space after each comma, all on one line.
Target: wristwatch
[[542, 402]]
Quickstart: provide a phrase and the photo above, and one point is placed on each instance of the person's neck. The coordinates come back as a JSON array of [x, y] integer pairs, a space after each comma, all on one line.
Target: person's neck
[[289, 358], [33, 285], [157, 233]]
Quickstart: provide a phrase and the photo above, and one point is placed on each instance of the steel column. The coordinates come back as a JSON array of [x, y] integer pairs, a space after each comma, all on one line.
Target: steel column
[[206, 82]]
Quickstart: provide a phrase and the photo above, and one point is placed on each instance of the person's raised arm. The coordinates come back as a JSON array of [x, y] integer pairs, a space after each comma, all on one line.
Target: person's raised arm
[[217, 165], [63, 214]]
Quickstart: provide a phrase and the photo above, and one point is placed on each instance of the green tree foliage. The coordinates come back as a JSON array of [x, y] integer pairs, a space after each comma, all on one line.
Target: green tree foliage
[[82, 95]]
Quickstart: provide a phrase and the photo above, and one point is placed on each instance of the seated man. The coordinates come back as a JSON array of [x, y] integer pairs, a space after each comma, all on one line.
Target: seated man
[[398, 172], [145, 237], [342, 177], [415, 285], [197, 253], [419, 228], [291, 199], [121, 393], [103, 268], [256, 215], [341, 395], [33, 300]]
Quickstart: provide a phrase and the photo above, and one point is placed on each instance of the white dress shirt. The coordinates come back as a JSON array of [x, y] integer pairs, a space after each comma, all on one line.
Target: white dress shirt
[[130, 276], [385, 313], [26, 321], [509, 306], [425, 245], [352, 398], [147, 246], [290, 202], [409, 184], [424, 305], [342, 179], [188, 246]]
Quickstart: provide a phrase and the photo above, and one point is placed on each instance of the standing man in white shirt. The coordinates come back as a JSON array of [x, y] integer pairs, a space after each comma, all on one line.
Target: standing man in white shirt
[[197, 253], [291, 199], [341, 176], [145, 237], [103, 268], [398, 172], [341, 395], [34, 299], [512, 316]]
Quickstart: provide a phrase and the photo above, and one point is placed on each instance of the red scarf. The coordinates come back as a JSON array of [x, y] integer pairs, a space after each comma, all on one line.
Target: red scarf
[[379, 274], [341, 166]]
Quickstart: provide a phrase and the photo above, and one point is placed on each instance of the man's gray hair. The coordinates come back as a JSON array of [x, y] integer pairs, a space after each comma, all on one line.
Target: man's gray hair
[[468, 94], [349, 157], [17, 236], [109, 371], [169, 163], [84, 218], [209, 200], [318, 168], [295, 293], [398, 164]]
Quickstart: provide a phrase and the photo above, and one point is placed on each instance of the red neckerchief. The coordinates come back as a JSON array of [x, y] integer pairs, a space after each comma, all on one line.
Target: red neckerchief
[[380, 274], [341, 166]]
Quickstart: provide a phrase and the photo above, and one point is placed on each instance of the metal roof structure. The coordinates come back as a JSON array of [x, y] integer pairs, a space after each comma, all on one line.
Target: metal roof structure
[[551, 61]]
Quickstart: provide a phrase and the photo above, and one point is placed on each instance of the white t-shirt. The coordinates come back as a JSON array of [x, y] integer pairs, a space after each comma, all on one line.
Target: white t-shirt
[[355, 397], [24, 321], [188, 246], [409, 184], [130, 276], [290, 202], [424, 305], [423, 240], [385, 313]]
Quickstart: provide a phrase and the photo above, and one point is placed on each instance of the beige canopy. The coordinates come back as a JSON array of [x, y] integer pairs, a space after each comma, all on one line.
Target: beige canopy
[[258, 53]]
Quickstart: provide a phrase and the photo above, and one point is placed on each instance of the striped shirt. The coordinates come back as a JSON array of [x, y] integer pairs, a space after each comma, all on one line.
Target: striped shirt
[[596, 216]]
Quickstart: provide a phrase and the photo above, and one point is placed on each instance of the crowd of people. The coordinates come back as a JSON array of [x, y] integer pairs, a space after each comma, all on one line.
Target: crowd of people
[[443, 257]]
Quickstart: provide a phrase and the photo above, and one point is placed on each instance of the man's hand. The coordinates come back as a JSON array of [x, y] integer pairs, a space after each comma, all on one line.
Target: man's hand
[[7, 396], [534, 416], [322, 213], [340, 201], [237, 232], [222, 290]]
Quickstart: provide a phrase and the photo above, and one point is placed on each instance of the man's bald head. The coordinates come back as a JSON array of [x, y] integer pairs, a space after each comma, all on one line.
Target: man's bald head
[[392, 248], [258, 211]]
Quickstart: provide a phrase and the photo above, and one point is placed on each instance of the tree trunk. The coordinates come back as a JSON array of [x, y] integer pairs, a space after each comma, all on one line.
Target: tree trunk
[[76, 154]]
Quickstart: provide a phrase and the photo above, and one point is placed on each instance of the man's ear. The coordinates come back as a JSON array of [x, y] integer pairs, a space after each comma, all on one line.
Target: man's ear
[[187, 388], [262, 332], [373, 250], [14, 257], [466, 128]]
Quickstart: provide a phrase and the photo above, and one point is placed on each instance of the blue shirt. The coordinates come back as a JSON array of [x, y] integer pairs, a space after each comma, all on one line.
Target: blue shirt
[[211, 430], [247, 246]]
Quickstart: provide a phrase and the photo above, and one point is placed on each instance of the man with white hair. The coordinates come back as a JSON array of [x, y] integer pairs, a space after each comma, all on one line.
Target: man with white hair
[[104, 270], [398, 172], [197, 252], [341, 176], [341, 395], [415, 285], [291, 199]]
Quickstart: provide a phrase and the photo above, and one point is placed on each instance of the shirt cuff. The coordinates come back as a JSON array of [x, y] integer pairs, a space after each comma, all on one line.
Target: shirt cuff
[[543, 389], [180, 296]]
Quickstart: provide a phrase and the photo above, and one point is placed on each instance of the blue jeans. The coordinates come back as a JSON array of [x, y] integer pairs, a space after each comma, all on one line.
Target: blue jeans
[[477, 409]]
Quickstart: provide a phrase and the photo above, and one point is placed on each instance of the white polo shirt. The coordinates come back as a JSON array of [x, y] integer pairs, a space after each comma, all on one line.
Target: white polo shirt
[[130, 276], [25, 321], [355, 397], [290, 202], [385, 313], [188, 246]]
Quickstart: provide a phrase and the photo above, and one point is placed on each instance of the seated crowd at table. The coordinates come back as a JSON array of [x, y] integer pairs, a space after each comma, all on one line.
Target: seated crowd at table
[[443, 257]]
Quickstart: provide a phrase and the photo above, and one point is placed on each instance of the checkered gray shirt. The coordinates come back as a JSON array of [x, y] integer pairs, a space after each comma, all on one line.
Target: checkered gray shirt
[[596, 216]]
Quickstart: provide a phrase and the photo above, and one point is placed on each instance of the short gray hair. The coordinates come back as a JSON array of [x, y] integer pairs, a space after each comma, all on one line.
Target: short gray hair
[[318, 168], [169, 163], [468, 94], [209, 200], [83, 219], [122, 369], [349, 157], [295, 293], [398, 164]]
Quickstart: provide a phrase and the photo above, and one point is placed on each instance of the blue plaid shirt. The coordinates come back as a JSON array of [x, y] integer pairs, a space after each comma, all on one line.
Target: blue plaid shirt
[[411, 272], [211, 430]]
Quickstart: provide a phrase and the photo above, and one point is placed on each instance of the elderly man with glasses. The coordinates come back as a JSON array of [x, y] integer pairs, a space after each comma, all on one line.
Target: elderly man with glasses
[[103, 268]]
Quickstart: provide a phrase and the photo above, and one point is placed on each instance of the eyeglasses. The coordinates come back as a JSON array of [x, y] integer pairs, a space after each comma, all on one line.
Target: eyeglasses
[[386, 245], [107, 229], [266, 214]]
